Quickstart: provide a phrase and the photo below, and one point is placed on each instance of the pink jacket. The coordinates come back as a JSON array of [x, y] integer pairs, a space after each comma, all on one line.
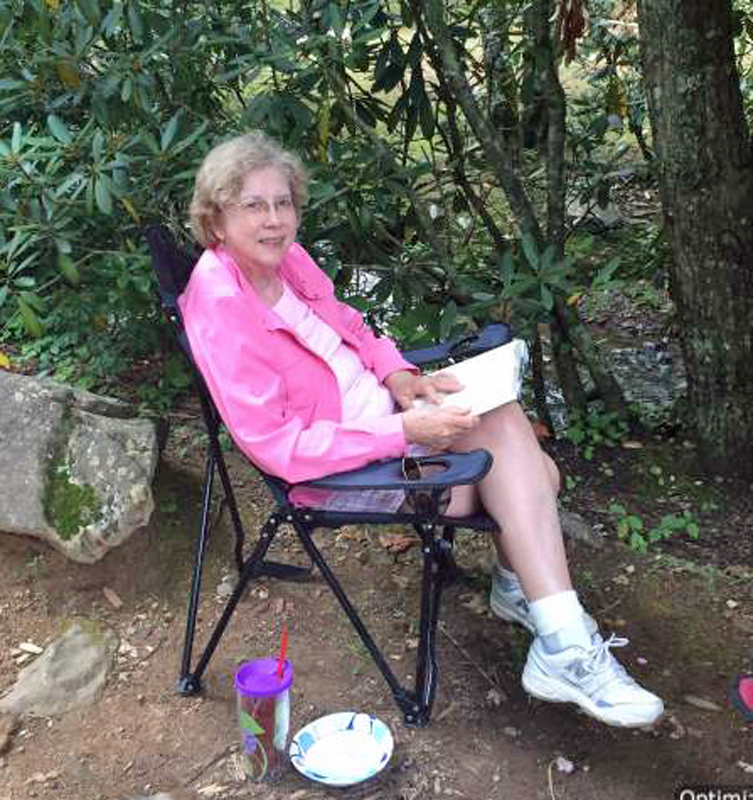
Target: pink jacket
[[280, 401]]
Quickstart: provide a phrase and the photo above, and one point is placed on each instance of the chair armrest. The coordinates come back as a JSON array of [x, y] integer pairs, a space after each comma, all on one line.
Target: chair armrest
[[494, 335], [456, 469]]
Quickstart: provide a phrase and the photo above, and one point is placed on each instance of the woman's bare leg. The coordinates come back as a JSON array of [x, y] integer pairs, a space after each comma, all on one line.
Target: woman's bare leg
[[519, 493]]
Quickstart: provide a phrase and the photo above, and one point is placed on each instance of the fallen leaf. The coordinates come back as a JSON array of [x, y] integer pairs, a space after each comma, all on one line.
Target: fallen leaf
[[678, 729], [112, 598], [541, 430], [495, 698], [4, 361], [445, 712], [700, 702], [352, 535], [212, 789], [398, 542], [477, 603]]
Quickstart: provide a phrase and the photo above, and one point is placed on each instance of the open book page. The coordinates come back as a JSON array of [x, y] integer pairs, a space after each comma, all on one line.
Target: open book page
[[489, 380]]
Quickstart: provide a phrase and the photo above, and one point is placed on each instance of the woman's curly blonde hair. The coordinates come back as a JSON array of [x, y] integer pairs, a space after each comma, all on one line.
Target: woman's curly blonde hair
[[220, 178]]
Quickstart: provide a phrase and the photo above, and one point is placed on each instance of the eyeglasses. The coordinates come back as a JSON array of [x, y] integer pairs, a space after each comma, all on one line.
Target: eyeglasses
[[257, 207], [429, 501]]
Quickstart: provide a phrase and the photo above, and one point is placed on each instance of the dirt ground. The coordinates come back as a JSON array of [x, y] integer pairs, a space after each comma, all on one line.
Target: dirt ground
[[687, 609]]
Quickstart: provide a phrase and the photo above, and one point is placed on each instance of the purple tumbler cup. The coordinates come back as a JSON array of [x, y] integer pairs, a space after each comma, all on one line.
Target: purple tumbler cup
[[264, 716]]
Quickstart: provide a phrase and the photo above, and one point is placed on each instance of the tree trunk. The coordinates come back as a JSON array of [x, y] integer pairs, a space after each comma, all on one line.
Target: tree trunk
[[705, 167]]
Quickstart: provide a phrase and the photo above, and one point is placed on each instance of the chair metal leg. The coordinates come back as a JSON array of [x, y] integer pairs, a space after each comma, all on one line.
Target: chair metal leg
[[186, 684], [240, 534], [438, 569], [251, 569], [272, 569], [403, 697]]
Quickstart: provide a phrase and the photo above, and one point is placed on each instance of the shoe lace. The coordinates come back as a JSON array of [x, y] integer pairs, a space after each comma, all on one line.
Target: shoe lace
[[600, 659]]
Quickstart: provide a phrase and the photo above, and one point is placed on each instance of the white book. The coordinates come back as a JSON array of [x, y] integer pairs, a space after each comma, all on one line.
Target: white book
[[489, 380]]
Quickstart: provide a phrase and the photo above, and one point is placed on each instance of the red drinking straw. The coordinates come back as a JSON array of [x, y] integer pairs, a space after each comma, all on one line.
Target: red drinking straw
[[283, 650]]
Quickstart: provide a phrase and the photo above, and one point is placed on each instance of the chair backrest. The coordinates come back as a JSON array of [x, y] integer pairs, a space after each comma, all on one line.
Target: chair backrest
[[172, 265], [172, 268]]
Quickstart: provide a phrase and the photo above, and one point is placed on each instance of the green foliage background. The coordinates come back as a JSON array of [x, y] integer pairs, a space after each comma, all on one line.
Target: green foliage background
[[108, 106]]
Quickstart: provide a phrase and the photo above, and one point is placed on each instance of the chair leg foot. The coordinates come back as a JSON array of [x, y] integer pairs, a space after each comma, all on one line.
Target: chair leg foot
[[411, 719], [188, 686]]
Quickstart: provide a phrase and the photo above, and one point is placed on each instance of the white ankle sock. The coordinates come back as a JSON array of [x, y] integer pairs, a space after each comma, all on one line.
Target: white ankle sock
[[560, 622]]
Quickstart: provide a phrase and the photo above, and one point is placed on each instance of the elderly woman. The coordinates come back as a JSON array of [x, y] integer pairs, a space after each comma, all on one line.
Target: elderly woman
[[306, 389]]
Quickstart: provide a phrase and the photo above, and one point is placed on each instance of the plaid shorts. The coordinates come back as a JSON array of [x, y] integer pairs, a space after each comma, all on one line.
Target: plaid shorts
[[387, 500]]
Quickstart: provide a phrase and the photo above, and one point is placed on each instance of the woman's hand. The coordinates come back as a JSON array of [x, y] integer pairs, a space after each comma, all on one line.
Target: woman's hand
[[437, 427], [406, 386]]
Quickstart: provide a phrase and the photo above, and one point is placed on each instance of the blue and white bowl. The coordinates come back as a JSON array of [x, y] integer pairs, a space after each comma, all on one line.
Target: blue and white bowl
[[342, 749]]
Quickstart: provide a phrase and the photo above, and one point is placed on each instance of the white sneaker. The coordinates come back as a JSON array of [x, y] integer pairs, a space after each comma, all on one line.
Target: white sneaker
[[592, 679], [508, 602]]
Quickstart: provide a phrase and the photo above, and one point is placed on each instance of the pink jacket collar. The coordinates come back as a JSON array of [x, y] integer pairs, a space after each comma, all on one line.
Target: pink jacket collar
[[291, 271]]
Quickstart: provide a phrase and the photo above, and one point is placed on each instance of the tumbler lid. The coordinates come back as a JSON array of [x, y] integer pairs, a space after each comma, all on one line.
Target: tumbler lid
[[258, 678]]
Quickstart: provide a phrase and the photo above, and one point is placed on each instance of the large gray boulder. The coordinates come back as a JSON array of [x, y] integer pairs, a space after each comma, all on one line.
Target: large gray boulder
[[76, 468]]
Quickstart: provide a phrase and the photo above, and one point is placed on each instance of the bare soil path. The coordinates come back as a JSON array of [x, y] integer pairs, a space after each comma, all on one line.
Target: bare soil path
[[688, 611]]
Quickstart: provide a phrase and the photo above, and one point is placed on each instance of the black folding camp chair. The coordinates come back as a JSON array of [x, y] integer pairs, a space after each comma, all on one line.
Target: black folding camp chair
[[173, 268]]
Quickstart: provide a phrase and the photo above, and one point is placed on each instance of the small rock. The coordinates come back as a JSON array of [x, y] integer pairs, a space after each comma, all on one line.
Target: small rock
[[225, 589], [23, 658], [700, 702], [513, 733], [641, 661], [564, 765], [575, 527], [30, 647], [732, 604], [745, 766]]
